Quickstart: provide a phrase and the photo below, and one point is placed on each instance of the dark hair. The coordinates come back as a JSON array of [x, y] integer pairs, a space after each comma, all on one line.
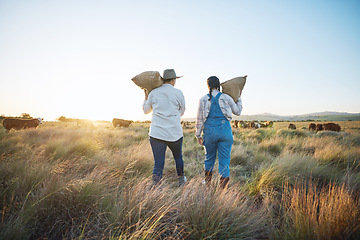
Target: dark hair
[[168, 80], [213, 82]]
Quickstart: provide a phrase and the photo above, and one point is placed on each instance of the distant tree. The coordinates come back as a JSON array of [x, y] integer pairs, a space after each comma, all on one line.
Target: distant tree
[[25, 116], [62, 119]]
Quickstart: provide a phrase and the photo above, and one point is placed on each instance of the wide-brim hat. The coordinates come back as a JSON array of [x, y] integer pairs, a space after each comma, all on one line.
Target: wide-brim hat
[[170, 74]]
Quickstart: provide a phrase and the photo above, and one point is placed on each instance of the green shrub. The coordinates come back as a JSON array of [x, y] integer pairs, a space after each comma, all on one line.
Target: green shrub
[[273, 147], [261, 134], [289, 133]]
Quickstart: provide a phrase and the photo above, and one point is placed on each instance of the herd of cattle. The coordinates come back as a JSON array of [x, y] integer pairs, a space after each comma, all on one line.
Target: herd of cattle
[[312, 126], [320, 127], [326, 126], [252, 124], [18, 124]]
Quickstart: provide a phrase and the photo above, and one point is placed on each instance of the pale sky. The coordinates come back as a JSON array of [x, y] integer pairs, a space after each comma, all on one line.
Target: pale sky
[[76, 58]]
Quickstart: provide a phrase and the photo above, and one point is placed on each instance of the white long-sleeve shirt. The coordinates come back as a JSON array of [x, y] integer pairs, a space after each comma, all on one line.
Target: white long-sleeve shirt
[[227, 106], [168, 105]]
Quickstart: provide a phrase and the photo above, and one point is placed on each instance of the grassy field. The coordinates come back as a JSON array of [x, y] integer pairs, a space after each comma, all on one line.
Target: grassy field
[[62, 181]]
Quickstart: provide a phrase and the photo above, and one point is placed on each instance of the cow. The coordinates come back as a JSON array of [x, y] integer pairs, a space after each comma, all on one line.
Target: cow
[[312, 127], [186, 124], [269, 124], [292, 126], [319, 127], [332, 127], [235, 124], [243, 124], [255, 125], [18, 124], [121, 122]]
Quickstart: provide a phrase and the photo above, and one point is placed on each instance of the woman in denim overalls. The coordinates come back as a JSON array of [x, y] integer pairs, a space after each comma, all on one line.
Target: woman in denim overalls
[[214, 115]]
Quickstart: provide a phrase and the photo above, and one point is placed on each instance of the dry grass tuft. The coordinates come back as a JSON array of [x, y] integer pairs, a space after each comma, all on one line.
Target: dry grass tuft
[[313, 212], [213, 213]]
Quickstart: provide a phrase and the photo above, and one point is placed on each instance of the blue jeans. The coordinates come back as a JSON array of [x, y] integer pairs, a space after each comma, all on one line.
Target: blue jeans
[[218, 140], [159, 148]]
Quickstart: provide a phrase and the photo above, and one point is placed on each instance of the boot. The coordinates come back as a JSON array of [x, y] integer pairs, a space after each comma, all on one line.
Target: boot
[[208, 175], [224, 181], [182, 180], [155, 181]]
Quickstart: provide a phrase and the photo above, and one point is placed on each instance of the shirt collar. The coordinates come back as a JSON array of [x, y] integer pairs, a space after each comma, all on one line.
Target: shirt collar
[[215, 92]]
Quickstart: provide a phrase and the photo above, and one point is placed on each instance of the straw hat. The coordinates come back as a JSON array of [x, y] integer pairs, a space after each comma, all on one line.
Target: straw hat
[[169, 74]]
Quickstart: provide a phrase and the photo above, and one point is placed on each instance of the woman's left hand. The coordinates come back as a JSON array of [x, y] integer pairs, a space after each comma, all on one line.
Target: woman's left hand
[[200, 141]]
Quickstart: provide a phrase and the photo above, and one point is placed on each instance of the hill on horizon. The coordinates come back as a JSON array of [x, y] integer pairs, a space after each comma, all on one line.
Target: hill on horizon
[[318, 116]]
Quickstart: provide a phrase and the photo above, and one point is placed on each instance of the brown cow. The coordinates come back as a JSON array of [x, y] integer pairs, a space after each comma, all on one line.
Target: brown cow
[[319, 127], [269, 124], [332, 127], [186, 124], [292, 126], [235, 124], [263, 125], [121, 122], [312, 127], [255, 125], [244, 124], [18, 124]]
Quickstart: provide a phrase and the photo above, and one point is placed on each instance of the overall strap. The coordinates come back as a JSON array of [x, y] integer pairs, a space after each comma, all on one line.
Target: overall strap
[[216, 99], [218, 96], [216, 116]]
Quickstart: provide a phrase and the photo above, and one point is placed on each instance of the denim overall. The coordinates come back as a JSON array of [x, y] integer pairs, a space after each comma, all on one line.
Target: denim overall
[[218, 138]]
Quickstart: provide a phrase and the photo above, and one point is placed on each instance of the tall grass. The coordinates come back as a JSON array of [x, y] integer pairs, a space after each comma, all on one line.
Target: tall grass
[[319, 212], [62, 181], [212, 213]]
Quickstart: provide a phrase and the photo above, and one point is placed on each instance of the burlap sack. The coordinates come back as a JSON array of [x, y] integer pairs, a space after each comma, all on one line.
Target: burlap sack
[[234, 86], [148, 80]]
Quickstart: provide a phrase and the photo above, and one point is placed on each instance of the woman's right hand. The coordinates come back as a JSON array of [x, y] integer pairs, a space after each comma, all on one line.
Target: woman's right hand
[[200, 141]]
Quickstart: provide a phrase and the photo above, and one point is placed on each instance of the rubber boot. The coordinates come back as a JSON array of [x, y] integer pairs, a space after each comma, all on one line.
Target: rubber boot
[[182, 180], [224, 181], [208, 175], [155, 181]]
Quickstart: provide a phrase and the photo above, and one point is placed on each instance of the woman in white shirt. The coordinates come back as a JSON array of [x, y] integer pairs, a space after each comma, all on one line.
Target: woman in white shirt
[[213, 119], [168, 105]]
